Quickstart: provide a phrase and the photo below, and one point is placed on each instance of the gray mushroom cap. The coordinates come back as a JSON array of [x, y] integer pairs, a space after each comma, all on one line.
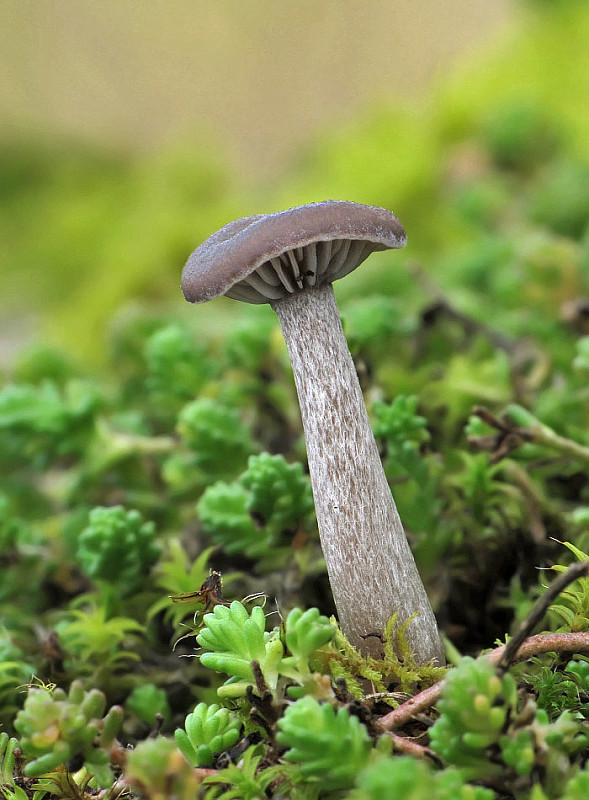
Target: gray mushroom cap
[[267, 257]]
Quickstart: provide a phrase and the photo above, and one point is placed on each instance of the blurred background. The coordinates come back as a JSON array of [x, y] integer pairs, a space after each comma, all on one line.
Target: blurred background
[[132, 131]]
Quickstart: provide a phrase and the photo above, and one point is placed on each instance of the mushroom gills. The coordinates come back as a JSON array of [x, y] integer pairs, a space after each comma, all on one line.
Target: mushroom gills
[[355, 254], [301, 268]]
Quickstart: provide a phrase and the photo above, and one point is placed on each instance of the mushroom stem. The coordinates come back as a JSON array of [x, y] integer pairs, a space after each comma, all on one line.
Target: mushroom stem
[[370, 565]]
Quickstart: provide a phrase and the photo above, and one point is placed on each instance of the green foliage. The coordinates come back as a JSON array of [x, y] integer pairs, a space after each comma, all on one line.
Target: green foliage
[[14, 673], [245, 345], [400, 424], [404, 432], [39, 363], [521, 135], [216, 438], [577, 787], [40, 422], [518, 751], [223, 513], [580, 672], [474, 709], [398, 665], [555, 690], [24, 551], [479, 714], [233, 639], [148, 701], [208, 730], [485, 497], [177, 369], [7, 759], [561, 199], [96, 642], [174, 363], [572, 607], [280, 495], [158, 770], [330, 746], [304, 633], [15, 793], [117, 546], [411, 779], [271, 499], [245, 780], [488, 308], [214, 433], [55, 727], [303, 652], [372, 321], [289, 658], [581, 361], [178, 576]]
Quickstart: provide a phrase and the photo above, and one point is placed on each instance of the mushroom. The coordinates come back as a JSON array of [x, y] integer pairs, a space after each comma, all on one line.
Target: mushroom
[[290, 259]]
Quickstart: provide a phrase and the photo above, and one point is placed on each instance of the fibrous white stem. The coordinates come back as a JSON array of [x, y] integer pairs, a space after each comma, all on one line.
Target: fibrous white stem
[[370, 565]]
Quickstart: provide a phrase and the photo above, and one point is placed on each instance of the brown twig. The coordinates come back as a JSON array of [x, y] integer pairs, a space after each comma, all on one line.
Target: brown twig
[[578, 570], [507, 439], [510, 436], [519, 648], [533, 646], [412, 748]]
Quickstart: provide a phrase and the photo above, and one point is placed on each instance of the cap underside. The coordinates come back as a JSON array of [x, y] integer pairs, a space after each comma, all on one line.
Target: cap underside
[[303, 268], [266, 258]]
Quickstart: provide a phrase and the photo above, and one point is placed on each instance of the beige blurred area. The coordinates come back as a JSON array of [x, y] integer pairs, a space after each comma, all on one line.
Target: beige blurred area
[[260, 76]]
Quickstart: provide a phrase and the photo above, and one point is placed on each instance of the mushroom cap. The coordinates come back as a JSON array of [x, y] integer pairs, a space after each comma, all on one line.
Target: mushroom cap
[[267, 257]]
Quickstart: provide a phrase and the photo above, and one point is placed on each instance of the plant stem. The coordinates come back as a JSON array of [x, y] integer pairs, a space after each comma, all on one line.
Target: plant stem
[[370, 565], [542, 434], [409, 747], [533, 646]]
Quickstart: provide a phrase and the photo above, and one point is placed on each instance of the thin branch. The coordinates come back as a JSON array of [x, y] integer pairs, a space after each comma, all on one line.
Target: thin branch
[[533, 646], [577, 570], [542, 434], [411, 748], [511, 435]]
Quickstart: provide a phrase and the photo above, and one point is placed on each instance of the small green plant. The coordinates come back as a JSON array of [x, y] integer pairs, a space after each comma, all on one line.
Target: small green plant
[[217, 439], [581, 361], [24, 556], [573, 607], [475, 707], [479, 714], [55, 727], [270, 499], [96, 642], [41, 422], [233, 639], [578, 786], [159, 771], [329, 745], [177, 368], [148, 702], [411, 779], [305, 632], [242, 781], [117, 547], [403, 432], [398, 665], [208, 730], [223, 513], [579, 670], [8, 745], [178, 577]]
